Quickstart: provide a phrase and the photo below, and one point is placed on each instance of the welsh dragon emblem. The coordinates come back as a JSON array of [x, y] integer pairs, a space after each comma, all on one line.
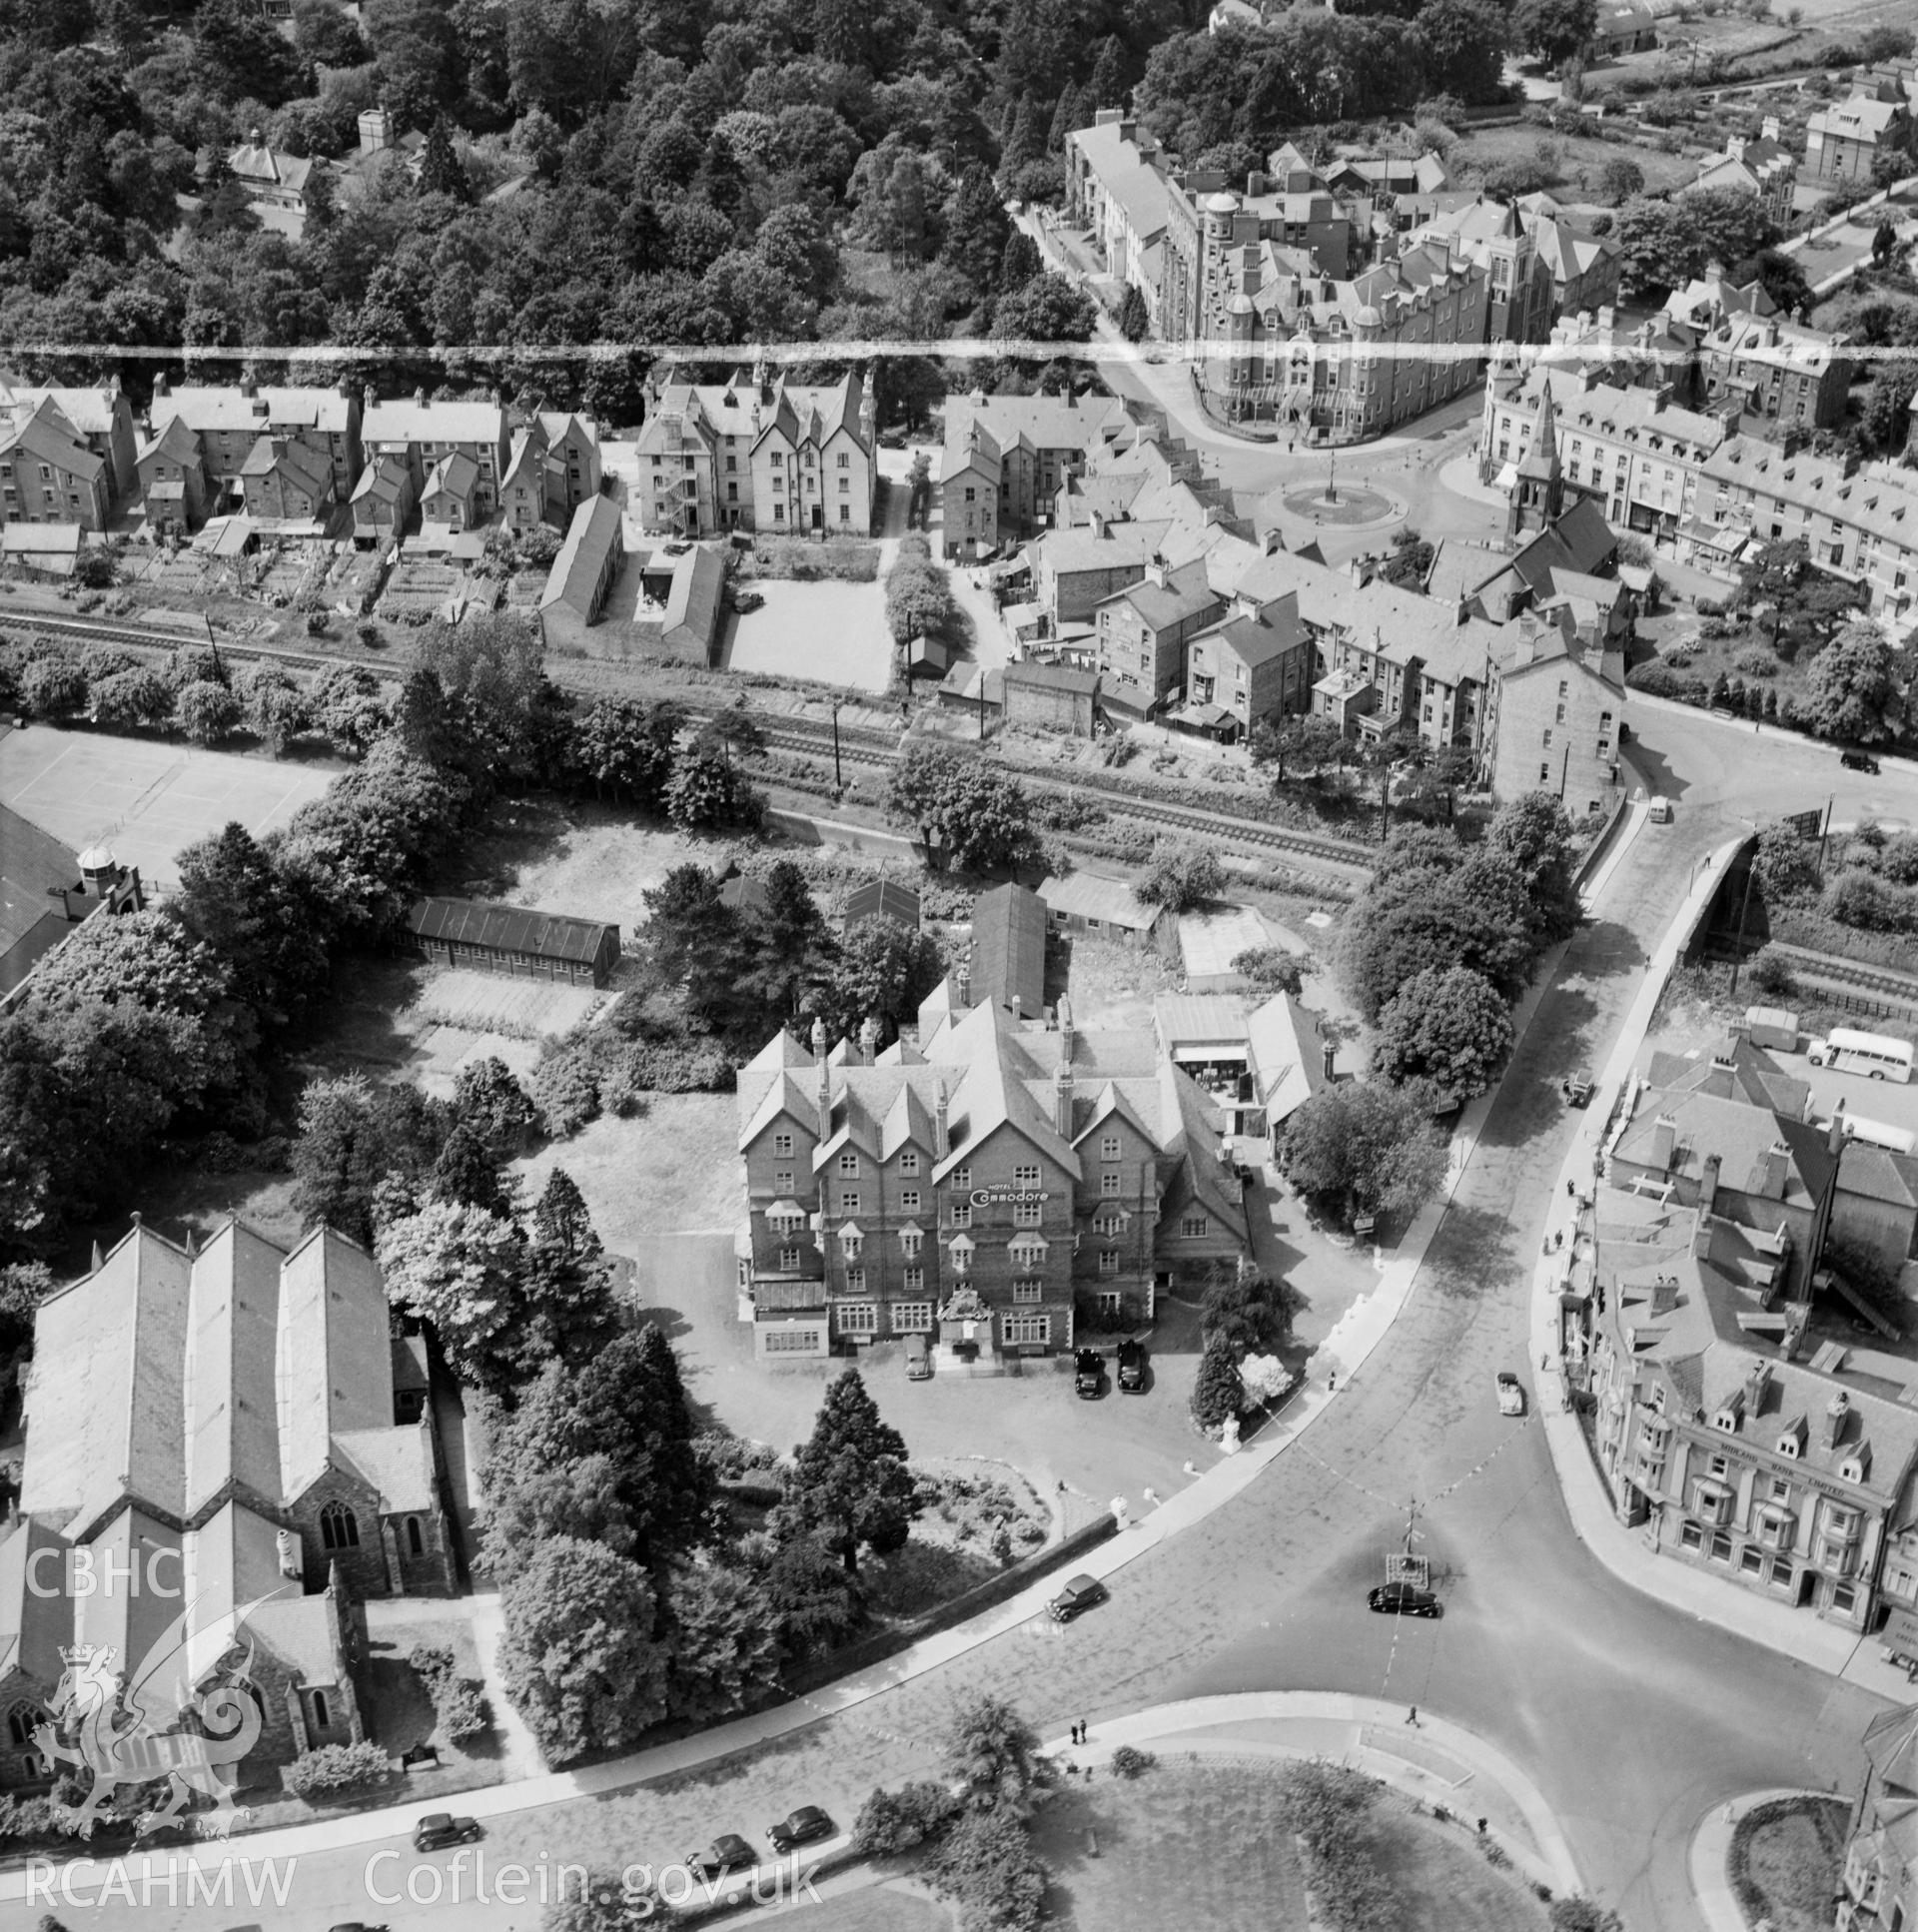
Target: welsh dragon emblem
[[166, 1722]]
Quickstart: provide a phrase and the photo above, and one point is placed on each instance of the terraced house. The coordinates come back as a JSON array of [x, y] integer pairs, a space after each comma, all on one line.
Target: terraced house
[[1735, 1445], [424, 434], [1634, 450], [1858, 521], [228, 422], [986, 1182], [1007, 457], [47, 474]]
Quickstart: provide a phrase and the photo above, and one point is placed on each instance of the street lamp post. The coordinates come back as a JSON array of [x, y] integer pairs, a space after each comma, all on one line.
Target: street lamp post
[[838, 783]]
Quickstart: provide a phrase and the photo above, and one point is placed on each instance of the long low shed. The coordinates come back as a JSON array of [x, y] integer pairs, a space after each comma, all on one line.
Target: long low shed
[[515, 940]]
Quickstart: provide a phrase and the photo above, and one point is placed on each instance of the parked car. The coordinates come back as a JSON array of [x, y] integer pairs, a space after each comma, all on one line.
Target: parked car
[[439, 1829], [1858, 761], [918, 1358], [746, 602], [1132, 1367], [1578, 1089], [1512, 1396], [730, 1853], [355, 1925], [801, 1828], [1088, 1373], [1079, 1594], [1401, 1600], [1660, 813]]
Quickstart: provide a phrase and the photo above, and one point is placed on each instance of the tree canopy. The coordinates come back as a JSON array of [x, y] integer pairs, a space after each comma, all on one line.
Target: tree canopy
[[850, 1482]]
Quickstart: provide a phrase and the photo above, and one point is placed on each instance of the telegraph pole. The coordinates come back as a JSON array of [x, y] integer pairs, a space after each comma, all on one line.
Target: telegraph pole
[[838, 783]]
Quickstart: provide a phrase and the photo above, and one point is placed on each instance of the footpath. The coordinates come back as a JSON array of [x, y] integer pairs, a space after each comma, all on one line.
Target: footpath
[[1341, 1357], [1625, 1551]]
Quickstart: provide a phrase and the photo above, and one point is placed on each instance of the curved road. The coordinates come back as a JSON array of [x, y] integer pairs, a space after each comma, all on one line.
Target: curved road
[[1631, 1718]]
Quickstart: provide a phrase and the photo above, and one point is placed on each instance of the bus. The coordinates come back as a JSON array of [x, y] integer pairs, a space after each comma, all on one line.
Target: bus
[[1878, 1056]]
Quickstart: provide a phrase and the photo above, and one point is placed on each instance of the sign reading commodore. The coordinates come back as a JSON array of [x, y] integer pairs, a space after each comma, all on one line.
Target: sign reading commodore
[[1002, 1197]]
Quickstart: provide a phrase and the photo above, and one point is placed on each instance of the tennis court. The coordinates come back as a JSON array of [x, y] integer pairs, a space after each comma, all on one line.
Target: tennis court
[[146, 800]]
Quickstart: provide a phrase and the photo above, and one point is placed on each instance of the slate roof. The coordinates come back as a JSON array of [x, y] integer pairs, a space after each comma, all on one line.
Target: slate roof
[[993, 1073], [509, 929], [32, 864], [1090, 895], [214, 407], [1874, 500], [410, 419], [1009, 948], [593, 532], [882, 899], [455, 475]]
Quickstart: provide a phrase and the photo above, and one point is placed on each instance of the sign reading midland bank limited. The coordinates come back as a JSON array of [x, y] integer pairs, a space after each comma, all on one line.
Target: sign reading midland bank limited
[[1003, 1197]]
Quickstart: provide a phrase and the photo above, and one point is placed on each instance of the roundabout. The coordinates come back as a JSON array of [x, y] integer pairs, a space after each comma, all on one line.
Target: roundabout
[[1342, 506]]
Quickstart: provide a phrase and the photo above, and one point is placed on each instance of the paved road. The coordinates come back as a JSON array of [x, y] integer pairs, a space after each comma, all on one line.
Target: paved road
[[1631, 1718]]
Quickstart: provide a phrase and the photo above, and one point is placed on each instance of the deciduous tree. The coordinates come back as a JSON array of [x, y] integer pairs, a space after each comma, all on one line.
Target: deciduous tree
[[577, 1655], [977, 817], [1851, 691], [1362, 1146], [1181, 875], [1446, 1026], [463, 1269]]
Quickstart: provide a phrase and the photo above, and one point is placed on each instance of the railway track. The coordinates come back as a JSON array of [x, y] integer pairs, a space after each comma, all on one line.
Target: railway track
[[858, 744], [1852, 972]]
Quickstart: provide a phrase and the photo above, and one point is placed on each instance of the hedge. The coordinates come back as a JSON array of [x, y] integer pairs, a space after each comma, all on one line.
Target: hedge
[[1816, 933], [337, 1768]]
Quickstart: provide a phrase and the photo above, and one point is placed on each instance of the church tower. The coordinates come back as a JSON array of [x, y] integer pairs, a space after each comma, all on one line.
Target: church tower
[[1538, 489], [1509, 257]]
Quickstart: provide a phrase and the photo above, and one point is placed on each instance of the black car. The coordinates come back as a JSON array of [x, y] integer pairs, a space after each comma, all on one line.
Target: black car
[[1088, 1373], [1401, 1600], [1132, 1367], [1858, 761], [806, 1825], [730, 1853], [1578, 1089], [1079, 1594], [439, 1829]]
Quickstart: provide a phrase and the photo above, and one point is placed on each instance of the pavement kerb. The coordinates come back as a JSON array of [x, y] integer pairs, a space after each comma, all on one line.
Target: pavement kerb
[[1653, 703], [1710, 1858], [1548, 1861], [1353, 1338], [1714, 1599]]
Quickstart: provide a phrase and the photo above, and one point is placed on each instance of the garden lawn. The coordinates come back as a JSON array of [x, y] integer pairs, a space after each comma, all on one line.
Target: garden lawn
[[1205, 1843], [675, 1170], [1785, 1860], [1583, 158]]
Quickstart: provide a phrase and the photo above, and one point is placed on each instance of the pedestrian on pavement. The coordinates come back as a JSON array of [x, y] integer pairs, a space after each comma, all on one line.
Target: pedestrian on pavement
[[1332, 1382], [1085, 1731], [1571, 1190], [1412, 1718]]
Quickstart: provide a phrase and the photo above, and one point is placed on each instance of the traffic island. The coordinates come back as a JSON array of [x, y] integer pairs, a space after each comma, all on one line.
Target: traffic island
[[1769, 1858]]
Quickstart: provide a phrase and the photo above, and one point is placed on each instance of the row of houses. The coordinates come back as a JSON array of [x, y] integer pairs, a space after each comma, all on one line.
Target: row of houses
[[289, 456], [1739, 1420], [1702, 488], [1148, 590]]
